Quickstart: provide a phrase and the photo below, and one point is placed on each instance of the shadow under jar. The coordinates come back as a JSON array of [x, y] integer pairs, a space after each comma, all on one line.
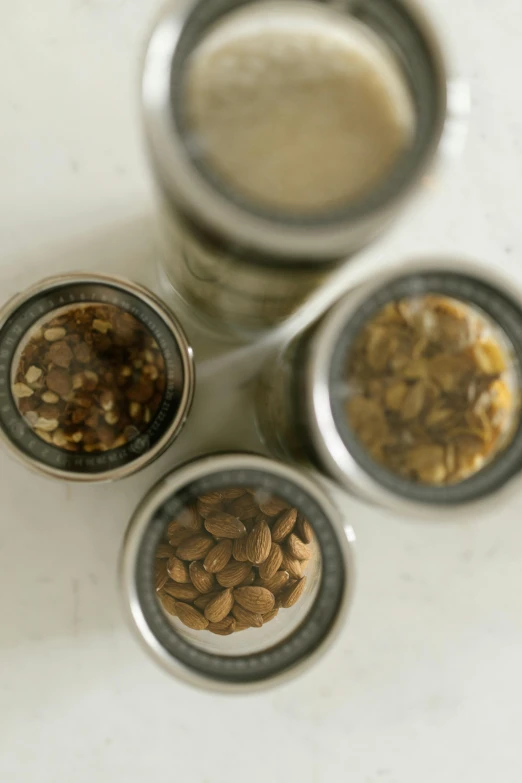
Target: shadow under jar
[[96, 377], [407, 393], [283, 137], [237, 571]]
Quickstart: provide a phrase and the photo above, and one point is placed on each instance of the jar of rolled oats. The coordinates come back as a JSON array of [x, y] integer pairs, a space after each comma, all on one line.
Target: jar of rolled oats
[[284, 137], [408, 392], [237, 571], [96, 377]]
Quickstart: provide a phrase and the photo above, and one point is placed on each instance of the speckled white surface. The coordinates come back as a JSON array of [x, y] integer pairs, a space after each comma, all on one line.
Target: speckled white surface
[[424, 684]]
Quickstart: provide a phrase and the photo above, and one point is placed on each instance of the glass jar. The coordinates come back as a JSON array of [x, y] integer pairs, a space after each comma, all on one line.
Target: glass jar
[[96, 377], [244, 260], [407, 392], [237, 571]]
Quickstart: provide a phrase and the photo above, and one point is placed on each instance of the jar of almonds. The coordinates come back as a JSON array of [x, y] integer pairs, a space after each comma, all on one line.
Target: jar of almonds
[[408, 391], [96, 377], [237, 571]]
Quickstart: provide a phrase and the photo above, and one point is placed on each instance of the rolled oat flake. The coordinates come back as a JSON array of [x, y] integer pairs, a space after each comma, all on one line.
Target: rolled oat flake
[[411, 389], [96, 377]]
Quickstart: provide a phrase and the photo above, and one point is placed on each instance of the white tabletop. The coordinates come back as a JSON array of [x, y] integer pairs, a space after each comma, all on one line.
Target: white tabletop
[[424, 683]]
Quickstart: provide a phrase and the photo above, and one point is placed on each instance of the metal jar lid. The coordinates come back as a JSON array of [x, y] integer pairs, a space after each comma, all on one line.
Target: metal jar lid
[[226, 659], [39, 334], [191, 186], [336, 445]]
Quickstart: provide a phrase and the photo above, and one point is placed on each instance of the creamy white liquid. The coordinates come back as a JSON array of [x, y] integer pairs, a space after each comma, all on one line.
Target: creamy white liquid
[[297, 108]]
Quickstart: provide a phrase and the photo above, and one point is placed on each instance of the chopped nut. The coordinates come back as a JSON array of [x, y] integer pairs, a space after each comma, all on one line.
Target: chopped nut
[[59, 439], [32, 418], [56, 333], [87, 372], [47, 425], [82, 353], [151, 371], [107, 400], [51, 398], [101, 326], [60, 354], [135, 410], [59, 381], [44, 435], [20, 390], [33, 374]]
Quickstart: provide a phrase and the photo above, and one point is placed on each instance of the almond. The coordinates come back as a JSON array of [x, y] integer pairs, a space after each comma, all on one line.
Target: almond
[[191, 617], [304, 529], [292, 565], [211, 498], [270, 615], [233, 574], [223, 525], [241, 627], [250, 619], [218, 557], [203, 600], [168, 603], [195, 547], [249, 580], [259, 543], [244, 507], [272, 563], [164, 550], [223, 627], [207, 509], [239, 550], [255, 599], [201, 579], [232, 494], [181, 592], [284, 525], [296, 548], [178, 535], [161, 574], [276, 583], [220, 606], [292, 594], [188, 519], [178, 571], [273, 506]]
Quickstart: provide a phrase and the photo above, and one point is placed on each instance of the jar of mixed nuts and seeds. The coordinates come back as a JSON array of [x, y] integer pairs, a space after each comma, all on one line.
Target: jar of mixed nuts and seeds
[[237, 571], [408, 392], [96, 377]]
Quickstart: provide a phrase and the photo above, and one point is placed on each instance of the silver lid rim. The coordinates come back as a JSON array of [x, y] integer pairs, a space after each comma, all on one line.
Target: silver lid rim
[[328, 444], [175, 481], [187, 358], [199, 200]]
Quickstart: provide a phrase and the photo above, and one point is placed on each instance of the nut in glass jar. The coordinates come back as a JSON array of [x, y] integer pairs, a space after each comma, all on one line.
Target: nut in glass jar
[[249, 230], [97, 377], [237, 571], [408, 391]]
